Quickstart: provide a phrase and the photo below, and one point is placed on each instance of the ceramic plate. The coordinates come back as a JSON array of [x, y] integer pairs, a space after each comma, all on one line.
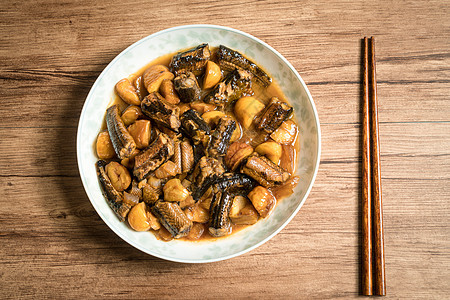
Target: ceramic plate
[[171, 40]]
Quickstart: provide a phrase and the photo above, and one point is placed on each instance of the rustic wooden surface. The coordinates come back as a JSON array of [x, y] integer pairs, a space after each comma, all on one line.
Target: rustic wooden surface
[[53, 244]]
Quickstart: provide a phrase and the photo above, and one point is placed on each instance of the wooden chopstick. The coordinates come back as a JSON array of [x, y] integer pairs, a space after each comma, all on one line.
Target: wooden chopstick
[[366, 183], [374, 281], [378, 234]]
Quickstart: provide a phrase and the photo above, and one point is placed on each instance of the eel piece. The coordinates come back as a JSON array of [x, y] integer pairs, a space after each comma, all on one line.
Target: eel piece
[[274, 115], [122, 141], [234, 86], [195, 127], [158, 109], [264, 170], [172, 218], [220, 137], [219, 210], [187, 87], [114, 198], [230, 59], [193, 60], [152, 157]]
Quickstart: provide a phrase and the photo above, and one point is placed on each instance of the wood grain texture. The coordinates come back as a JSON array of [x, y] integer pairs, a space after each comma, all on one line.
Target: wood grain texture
[[54, 245]]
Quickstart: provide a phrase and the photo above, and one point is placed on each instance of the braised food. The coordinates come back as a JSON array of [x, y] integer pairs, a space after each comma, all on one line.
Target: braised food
[[197, 145]]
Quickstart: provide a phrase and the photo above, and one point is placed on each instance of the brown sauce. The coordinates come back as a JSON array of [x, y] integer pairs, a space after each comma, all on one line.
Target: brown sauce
[[288, 160]]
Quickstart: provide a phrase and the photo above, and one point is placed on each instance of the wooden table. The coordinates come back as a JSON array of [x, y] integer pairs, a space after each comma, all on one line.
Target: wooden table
[[53, 243]]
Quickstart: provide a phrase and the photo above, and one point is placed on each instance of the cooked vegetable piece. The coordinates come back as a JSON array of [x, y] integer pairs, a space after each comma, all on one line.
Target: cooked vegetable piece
[[212, 117], [140, 131], [219, 214], [230, 59], [138, 218], [121, 139], [164, 235], [264, 170], [235, 85], [187, 87], [246, 216], [131, 114], [212, 75], [202, 107], [270, 149], [104, 147], [220, 137], [174, 191], [263, 200], [239, 202], [196, 232], [172, 218], [113, 197], [285, 134], [160, 150], [193, 60], [130, 199], [126, 90], [246, 109], [197, 213], [154, 76], [119, 176], [167, 170], [167, 90], [273, 115], [242, 212], [236, 154], [189, 201], [195, 127], [156, 108]]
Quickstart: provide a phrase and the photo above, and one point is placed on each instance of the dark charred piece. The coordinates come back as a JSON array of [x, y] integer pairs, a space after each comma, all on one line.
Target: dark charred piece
[[264, 170], [220, 137], [199, 152], [219, 211], [235, 183], [114, 198], [193, 60], [172, 218], [230, 59], [187, 87], [151, 158], [235, 85], [121, 139], [195, 127], [273, 115], [158, 109]]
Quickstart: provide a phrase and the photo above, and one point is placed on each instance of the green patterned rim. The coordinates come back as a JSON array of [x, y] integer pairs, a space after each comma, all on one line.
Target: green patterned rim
[[171, 40]]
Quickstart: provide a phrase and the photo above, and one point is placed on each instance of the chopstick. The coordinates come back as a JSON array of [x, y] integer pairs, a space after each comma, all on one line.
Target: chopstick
[[374, 280], [366, 182]]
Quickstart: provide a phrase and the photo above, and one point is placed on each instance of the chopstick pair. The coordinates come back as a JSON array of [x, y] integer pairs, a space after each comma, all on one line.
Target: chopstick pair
[[373, 277]]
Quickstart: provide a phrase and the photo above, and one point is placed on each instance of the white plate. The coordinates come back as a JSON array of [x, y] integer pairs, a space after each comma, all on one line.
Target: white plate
[[167, 41]]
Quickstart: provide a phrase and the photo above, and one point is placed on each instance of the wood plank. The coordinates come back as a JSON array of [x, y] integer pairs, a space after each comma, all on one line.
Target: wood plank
[[56, 246]]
